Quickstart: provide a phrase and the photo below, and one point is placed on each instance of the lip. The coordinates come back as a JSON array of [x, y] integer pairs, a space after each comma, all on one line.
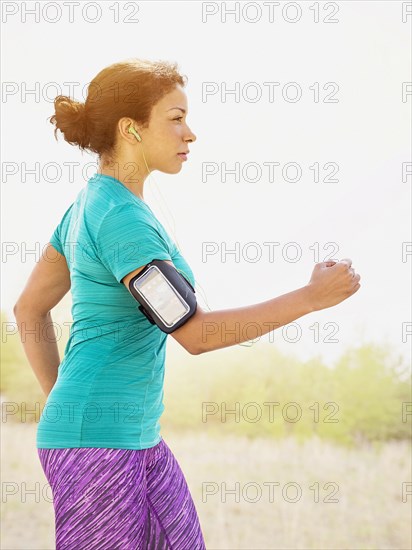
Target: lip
[[183, 156]]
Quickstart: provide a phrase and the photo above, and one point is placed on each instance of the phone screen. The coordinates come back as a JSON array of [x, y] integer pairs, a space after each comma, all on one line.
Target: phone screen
[[162, 297]]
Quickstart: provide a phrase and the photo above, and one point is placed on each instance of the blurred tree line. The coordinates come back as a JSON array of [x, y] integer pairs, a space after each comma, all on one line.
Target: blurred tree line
[[258, 391]]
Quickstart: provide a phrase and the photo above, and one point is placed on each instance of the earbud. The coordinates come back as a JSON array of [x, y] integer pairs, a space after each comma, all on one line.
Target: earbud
[[133, 131]]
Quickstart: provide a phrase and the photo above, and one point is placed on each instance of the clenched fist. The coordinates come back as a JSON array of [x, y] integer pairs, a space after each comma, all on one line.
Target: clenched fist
[[332, 282]]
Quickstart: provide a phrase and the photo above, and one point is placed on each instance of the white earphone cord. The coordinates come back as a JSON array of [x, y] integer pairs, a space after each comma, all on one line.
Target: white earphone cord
[[197, 284]]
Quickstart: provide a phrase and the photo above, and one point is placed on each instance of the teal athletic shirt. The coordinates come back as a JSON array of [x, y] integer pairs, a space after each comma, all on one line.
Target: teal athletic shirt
[[109, 389]]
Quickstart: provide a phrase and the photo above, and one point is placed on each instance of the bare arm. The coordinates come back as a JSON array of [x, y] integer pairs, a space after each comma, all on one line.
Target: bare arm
[[211, 330], [40, 346], [330, 284], [223, 328], [47, 285]]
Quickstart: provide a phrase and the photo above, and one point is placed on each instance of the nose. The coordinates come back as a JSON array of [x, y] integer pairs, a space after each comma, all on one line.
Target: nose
[[192, 137]]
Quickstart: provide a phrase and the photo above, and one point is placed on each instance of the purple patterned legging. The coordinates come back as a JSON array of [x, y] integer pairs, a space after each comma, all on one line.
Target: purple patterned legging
[[121, 499]]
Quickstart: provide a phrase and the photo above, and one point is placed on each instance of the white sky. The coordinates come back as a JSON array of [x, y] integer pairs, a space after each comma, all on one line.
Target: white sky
[[367, 134]]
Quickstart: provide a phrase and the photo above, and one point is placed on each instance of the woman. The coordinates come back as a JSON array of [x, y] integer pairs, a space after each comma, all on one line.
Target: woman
[[115, 482]]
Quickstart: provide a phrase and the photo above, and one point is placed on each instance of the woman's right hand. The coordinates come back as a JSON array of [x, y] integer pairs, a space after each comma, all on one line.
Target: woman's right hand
[[332, 282]]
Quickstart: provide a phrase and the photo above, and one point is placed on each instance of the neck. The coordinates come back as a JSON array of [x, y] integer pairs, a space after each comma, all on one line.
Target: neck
[[127, 177]]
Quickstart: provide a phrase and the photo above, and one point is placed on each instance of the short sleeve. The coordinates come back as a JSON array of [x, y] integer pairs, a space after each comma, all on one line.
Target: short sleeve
[[128, 238], [55, 241]]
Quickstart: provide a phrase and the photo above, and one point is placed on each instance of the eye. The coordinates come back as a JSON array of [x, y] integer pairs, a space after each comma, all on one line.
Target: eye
[[178, 118]]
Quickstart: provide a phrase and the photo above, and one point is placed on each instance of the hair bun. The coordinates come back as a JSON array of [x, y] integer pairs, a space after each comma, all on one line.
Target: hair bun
[[71, 119]]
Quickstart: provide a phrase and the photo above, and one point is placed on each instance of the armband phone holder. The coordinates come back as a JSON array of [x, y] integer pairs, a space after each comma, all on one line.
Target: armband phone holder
[[166, 298]]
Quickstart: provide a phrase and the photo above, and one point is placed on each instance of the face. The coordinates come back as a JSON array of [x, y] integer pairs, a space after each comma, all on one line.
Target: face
[[168, 133]]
